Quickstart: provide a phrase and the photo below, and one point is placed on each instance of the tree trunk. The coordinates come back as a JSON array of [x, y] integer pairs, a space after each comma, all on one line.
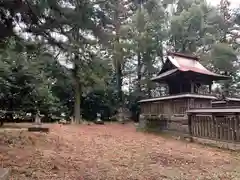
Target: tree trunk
[[77, 88], [139, 75], [120, 94], [149, 73], [118, 55], [119, 82], [160, 50], [77, 111]]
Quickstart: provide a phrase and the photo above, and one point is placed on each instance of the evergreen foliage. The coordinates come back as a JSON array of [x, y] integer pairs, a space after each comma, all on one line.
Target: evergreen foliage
[[108, 45]]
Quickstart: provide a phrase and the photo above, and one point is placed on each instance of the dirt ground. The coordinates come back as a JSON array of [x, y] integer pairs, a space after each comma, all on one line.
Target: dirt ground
[[110, 152]]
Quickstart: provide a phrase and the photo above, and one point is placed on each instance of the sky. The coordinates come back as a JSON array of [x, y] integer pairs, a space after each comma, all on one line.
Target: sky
[[234, 3]]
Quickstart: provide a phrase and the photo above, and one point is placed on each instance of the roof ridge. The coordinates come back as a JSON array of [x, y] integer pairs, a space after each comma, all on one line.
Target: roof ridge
[[183, 55]]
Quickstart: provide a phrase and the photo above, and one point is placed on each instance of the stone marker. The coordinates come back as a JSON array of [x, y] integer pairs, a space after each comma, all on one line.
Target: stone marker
[[121, 116], [38, 119], [98, 117], [38, 125], [4, 174], [99, 121]]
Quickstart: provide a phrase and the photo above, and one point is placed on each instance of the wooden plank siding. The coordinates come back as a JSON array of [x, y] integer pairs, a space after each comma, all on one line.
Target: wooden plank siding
[[173, 106], [222, 127], [174, 111]]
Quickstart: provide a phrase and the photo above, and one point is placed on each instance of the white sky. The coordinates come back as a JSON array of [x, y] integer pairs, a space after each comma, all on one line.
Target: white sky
[[234, 3]]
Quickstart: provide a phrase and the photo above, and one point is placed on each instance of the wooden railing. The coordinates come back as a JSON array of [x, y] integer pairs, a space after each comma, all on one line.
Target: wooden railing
[[217, 123]]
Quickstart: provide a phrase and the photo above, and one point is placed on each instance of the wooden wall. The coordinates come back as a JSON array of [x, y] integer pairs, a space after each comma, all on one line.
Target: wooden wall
[[216, 127], [202, 103], [173, 111], [233, 103], [173, 106], [227, 104]]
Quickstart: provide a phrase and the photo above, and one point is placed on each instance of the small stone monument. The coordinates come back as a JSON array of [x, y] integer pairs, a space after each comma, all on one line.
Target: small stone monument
[[38, 119], [37, 127], [98, 117], [142, 121], [98, 120]]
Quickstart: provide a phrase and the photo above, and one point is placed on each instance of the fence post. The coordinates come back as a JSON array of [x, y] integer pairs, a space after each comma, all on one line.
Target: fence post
[[190, 124], [216, 125], [237, 127]]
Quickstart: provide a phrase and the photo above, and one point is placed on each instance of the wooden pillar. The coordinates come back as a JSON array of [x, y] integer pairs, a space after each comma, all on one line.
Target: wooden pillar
[[191, 103], [192, 87], [190, 124], [237, 128], [216, 126], [229, 129], [210, 88]]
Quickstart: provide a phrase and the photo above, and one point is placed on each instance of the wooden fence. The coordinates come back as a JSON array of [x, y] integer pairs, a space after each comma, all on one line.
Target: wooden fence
[[217, 124]]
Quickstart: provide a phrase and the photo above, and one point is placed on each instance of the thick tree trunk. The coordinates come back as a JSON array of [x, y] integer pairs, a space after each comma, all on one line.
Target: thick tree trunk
[[120, 94], [139, 58], [118, 56], [77, 109], [147, 59], [77, 101], [119, 82]]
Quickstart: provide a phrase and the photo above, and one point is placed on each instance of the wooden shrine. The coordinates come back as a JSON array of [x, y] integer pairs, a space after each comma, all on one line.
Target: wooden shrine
[[190, 108], [184, 76]]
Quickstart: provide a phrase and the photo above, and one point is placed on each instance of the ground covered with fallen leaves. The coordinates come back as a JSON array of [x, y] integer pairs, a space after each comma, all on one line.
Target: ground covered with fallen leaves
[[109, 152]]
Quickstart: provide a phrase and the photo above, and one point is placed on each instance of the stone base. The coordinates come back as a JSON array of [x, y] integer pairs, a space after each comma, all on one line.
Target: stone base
[[220, 144], [4, 174], [99, 122], [38, 129]]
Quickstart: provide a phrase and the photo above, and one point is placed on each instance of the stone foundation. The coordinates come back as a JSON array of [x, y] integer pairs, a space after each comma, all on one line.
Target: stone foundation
[[220, 144], [152, 123], [160, 123], [178, 126]]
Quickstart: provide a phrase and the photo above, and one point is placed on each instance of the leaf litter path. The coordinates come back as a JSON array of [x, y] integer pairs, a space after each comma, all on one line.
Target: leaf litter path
[[110, 152]]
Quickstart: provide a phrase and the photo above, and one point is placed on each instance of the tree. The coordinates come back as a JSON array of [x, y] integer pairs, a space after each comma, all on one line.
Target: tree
[[148, 32], [73, 24], [223, 54], [225, 61], [24, 83], [78, 47], [191, 29]]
